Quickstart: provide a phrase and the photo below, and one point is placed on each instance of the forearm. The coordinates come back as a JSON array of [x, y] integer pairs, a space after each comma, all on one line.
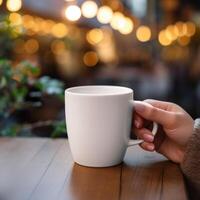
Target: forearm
[[191, 163]]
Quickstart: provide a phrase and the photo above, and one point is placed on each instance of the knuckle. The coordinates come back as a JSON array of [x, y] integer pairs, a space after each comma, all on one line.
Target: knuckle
[[173, 119], [152, 111]]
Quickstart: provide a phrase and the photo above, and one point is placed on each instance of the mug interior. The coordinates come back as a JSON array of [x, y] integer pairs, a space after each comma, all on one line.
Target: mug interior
[[99, 90]]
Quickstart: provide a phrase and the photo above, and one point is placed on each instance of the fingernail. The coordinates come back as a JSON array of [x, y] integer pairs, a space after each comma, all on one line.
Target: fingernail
[[148, 138], [140, 107], [151, 147], [137, 124]]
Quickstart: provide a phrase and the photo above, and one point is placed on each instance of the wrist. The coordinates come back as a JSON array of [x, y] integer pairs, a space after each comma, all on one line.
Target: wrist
[[192, 147], [191, 161]]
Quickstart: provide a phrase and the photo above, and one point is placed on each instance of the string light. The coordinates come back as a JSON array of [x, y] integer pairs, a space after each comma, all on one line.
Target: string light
[[89, 9], [59, 30], [31, 46], [190, 29], [117, 20], [184, 40], [126, 27], [57, 47], [90, 58], [94, 36], [171, 32], [14, 5], [28, 21], [15, 19], [163, 39], [104, 14], [73, 13], [143, 33], [180, 28]]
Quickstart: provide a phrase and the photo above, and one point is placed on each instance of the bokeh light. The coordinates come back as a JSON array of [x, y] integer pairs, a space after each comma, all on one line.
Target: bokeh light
[[73, 13], [49, 24], [117, 20], [15, 19], [94, 36], [14, 5], [1, 1], [163, 40], [89, 9], [126, 27], [90, 58], [171, 33], [31, 46], [57, 46], [190, 28], [28, 21], [104, 14], [143, 33], [184, 40], [180, 28], [59, 30]]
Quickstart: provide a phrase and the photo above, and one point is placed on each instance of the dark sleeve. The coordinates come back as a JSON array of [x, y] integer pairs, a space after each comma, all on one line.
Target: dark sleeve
[[191, 163]]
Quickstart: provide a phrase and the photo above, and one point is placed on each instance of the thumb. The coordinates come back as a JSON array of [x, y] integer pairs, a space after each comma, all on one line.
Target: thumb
[[149, 112]]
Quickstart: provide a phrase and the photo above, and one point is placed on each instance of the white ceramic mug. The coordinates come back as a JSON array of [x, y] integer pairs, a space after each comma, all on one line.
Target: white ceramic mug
[[98, 124]]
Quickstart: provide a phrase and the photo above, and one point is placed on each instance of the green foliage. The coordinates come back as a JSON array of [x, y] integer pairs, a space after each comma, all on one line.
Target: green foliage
[[10, 130], [59, 128], [16, 82], [50, 86], [7, 33]]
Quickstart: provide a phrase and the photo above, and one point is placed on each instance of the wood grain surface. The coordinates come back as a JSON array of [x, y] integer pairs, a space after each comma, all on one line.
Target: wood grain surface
[[43, 169]]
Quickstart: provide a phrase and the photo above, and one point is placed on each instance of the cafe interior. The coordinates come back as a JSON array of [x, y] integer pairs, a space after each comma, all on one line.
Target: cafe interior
[[47, 46]]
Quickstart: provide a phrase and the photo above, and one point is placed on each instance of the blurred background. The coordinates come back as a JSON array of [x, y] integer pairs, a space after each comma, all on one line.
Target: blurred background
[[45, 46]]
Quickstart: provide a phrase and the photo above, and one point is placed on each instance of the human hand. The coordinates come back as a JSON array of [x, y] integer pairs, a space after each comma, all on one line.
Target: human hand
[[176, 127]]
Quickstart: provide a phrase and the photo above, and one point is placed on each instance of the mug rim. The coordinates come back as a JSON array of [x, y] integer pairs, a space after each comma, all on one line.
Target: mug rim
[[124, 90]]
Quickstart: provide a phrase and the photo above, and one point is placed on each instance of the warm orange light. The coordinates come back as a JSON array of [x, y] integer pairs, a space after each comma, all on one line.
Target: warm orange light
[[126, 27], [94, 36], [163, 39], [171, 33], [1, 2], [105, 14], [28, 21], [14, 5], [35, 27], [180, 28], [49, 24], [90, 58], [184, 40], [143, 33], [89, 9], [15, 19], [46, 27], [30, 32], [73, 13], [31, 46], [190, 28], [59, 30], [117, 20], [57, 47]]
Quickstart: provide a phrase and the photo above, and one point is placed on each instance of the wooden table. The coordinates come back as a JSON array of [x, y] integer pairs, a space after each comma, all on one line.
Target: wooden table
[[42, 169]]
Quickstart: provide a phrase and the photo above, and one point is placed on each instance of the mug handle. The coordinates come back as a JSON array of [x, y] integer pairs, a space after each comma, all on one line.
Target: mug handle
[[154, 131]]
